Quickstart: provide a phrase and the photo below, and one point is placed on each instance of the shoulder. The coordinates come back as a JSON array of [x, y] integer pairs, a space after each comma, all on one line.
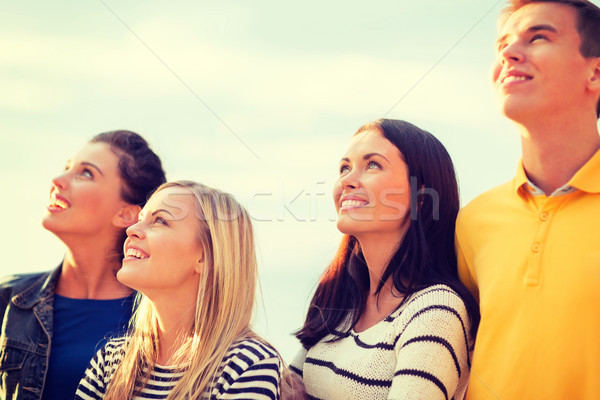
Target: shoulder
[[112, 352], [440, 295], [18, 282], [434, 312], [436, 303], [115, 346], [250, 351], [490, 197], [251, 369], [106, 360], [14, 284]]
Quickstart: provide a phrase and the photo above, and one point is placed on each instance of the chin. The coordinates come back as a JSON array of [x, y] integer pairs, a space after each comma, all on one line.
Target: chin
[[54, 227], [124, 278], [348, 227], [47, 222], [344, 227], [517, 111]]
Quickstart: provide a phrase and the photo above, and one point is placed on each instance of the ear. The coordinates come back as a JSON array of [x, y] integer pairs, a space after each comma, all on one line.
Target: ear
[[594, 79], [199, 267], [126, 216]]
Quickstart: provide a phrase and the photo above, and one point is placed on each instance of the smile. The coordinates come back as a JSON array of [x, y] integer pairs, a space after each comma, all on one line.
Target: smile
[[514, 78], [135, 253], [347, 204], [58, 203]]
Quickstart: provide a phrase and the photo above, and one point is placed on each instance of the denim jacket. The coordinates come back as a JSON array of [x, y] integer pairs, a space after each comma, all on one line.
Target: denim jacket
[[26, 304]]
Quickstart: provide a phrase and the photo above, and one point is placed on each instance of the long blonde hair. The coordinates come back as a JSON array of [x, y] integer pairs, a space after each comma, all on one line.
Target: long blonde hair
[[224, 304]]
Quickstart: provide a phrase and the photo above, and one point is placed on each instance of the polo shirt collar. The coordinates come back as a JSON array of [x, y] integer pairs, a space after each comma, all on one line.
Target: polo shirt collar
[[588, 176], [587, 179]]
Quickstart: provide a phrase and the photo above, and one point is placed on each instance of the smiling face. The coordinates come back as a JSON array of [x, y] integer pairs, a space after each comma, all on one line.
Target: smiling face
[[539, 70], [86, 197], [372, 193], [162, 252]]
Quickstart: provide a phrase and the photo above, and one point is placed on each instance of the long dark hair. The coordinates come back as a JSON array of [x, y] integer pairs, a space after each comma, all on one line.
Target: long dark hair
[[140, 169], [426, 255]]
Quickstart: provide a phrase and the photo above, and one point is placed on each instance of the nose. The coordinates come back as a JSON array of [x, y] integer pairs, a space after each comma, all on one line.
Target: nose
[[350, 180], [136, 230], [61, 181], [511, 52]]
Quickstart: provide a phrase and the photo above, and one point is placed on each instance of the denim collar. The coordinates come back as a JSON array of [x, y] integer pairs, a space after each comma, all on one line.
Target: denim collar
[[40, 290]]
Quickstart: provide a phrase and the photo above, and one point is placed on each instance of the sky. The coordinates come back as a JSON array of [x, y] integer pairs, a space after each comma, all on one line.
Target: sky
[[258, 98]]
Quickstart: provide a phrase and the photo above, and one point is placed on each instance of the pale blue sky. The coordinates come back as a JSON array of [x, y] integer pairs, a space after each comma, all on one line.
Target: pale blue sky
[[256, 98]]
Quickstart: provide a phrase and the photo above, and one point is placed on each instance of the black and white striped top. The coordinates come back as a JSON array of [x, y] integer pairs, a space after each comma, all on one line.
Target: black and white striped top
[[420, 351], [251, 369]]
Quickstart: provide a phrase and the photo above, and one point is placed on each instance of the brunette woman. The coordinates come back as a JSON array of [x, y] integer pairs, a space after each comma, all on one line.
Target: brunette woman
[[389, 318], [53, 322]]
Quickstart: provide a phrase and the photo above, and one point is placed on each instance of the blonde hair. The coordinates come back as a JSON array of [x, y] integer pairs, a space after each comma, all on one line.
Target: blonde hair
[[224, 304]]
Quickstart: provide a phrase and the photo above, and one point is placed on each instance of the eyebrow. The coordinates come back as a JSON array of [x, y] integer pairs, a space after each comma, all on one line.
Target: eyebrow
[[89, 164], [542, 27], [162, 210], [531, 29], [367, 156]]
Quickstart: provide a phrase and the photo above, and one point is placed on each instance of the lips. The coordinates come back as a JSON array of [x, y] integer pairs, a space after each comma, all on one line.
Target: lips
[[350, 202], [135, 253], [514, 77], [58, 203]]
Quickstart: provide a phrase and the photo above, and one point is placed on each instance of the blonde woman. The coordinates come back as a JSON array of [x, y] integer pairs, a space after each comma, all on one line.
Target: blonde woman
[[191, 256]]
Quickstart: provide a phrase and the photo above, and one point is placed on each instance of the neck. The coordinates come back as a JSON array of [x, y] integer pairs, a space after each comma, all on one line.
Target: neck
[[174, 325], [554, 149], [89, 271], [378, 249]]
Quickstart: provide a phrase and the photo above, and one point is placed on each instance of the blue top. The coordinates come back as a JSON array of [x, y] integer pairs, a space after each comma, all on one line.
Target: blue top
[[81, 327]]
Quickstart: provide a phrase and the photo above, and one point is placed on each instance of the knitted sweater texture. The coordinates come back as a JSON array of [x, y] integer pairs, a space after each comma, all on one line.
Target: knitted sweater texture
[[420, 351]]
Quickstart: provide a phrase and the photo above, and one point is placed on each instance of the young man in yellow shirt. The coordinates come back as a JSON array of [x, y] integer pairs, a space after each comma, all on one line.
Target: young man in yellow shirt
[[530, 248]]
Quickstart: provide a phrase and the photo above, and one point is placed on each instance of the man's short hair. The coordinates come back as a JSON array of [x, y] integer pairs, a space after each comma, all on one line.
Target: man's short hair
[[588, 25]]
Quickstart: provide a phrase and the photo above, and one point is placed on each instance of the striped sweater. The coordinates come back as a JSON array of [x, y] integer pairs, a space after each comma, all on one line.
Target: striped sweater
[[251, 369], [420, 351]]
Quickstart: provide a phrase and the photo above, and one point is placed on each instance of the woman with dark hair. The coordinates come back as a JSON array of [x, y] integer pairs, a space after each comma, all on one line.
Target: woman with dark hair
[[389, 318], [53, 322]]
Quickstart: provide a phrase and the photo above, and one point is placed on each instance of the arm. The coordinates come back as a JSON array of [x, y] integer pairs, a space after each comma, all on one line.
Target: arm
[[432, 352], [465, 266], [292, 385], [92, 385], [297, 364]]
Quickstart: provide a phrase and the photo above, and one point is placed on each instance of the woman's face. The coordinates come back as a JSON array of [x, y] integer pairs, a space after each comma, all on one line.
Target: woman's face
[[86, 198], [162, 250], [372, 193]]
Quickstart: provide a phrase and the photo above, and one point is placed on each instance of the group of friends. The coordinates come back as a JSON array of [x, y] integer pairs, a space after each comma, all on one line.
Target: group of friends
[[497, 300]]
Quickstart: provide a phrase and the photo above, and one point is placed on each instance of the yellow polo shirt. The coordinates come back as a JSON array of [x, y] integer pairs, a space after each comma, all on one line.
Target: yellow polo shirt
[[533, 262]]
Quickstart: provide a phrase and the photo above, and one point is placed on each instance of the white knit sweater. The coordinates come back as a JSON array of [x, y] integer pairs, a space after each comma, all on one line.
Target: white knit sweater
[[420, 351]]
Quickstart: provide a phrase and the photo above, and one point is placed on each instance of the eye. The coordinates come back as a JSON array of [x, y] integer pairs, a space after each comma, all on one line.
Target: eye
[[160, 221], [537, 36], [86, 173], [373, 165], [344, 168]]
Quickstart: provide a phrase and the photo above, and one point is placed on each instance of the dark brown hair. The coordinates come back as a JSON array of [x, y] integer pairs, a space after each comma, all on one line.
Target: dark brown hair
[[426, 255], [140, 168]]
